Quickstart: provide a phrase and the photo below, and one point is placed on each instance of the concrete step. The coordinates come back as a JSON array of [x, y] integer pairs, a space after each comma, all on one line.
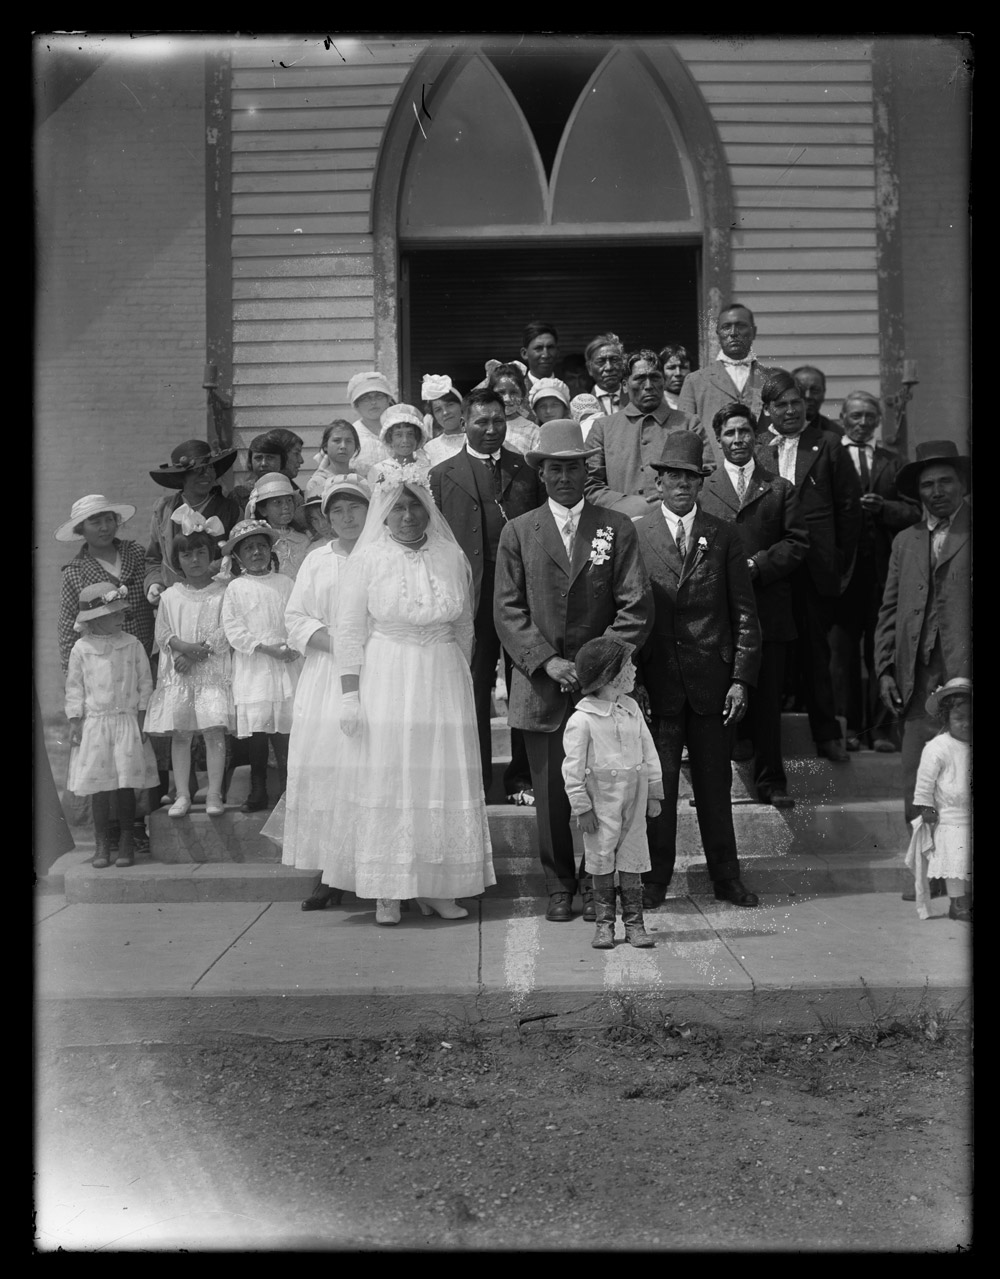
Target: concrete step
[[812, 844]]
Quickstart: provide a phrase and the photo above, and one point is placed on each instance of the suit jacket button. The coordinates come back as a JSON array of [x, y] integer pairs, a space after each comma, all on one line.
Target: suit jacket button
[[614, 772], [562, 594]]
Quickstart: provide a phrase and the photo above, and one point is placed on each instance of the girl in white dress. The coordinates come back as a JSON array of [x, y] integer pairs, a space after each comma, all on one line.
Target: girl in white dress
[[403, 434], [194, 687], [273, 499], [265, 668], [108, 686], [338, 451], [442, 413], [941, 847], [412, 822], [303, 823]]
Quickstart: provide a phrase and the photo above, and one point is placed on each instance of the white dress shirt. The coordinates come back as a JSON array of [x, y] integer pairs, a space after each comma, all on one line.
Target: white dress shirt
[[788, 451], [738, 370], [734, 473], [562, 514], [673, 521], [482, 456]]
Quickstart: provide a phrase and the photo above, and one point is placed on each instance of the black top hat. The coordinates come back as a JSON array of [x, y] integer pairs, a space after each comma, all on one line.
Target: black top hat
[[927, 453], [187, 457], [600, 660], [682, 452]]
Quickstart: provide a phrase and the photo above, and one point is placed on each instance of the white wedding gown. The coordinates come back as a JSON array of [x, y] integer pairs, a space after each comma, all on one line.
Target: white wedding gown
[[411, 816]]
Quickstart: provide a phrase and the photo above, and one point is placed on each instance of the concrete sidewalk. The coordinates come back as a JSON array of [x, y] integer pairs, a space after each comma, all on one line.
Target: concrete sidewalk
[[185, 971]]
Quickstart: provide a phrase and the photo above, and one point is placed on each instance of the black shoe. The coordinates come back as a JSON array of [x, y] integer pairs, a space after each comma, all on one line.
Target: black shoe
[[777, 797], [256, 802], [733, 890], [832, 750], [322, 897], [559, 909], [653, 895], [587, 895]]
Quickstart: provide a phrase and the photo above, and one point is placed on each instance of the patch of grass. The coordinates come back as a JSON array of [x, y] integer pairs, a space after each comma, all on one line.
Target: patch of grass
[[924, 1022]]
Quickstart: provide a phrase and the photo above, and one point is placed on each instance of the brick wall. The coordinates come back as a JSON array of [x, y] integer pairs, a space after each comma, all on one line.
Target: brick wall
[[120, 302]]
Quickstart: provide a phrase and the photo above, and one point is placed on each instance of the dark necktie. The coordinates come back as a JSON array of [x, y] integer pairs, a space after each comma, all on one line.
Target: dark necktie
[[494, 471], [866, 475], [681, 540]]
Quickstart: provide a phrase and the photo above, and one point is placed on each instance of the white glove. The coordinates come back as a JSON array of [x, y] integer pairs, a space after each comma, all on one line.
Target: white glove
[[154, 593], [350, 713]]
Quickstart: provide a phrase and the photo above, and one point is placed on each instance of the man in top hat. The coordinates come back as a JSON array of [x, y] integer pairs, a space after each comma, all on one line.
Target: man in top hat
[[735, 376], [924, 636], [566, 573], [477, 490], [883, 514], [192, 475], [629, 442], [697, 664], [765, 510]]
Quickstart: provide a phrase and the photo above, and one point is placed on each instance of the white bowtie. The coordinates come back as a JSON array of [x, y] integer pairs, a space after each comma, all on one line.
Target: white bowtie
[[736, 364]]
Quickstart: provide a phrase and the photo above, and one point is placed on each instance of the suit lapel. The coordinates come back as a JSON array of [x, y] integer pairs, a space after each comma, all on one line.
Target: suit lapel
[[510, 464], [658, 537], [721, 485], [806, 454], [701, 530], [757, 487], [582, 544], [958, 535], [462, 473], [548, 535]]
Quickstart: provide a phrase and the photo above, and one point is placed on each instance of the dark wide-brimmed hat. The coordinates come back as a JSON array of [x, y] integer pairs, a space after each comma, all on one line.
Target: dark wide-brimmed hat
[[929, 452], [188, 457], [560, 440], [599, 661], [682, 452]]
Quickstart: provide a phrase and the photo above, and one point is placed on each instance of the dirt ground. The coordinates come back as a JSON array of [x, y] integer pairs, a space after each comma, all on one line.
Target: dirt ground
[[644, 1136]]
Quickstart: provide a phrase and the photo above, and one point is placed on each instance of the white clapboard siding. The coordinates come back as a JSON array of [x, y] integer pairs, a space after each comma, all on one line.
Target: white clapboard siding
[[307, 120], [796, 121]]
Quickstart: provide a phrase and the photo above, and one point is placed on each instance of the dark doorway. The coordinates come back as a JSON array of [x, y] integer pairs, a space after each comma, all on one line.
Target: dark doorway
[[468, 305]]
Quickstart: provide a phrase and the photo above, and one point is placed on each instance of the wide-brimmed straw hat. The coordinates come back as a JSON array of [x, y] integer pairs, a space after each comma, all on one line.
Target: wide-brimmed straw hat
[[344, 486], [402, 415], [271, 484], [249, 528], [928, 453], [361, 383], [188, 457], [600, 660], [682, 452], [549, 386], [959, 686], [560, 440], [84, 507], [100, 599]]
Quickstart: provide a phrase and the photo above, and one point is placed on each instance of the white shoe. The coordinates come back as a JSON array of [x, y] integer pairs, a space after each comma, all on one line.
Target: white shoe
[[444, 907], [214, 806], [180, 807], [387, 911]]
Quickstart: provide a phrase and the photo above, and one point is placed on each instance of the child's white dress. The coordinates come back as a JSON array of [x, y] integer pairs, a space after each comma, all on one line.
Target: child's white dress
[[203, 698], [611, 766], [253, 612], [944, 782], [108, 682], [291, 548]]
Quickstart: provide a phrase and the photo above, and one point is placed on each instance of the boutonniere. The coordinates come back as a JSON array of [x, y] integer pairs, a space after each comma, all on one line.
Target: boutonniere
[[600, 547], [702, 544]]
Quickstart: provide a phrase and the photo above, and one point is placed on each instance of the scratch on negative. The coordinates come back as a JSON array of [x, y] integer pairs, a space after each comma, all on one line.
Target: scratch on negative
[[416, 114], [125, 86]]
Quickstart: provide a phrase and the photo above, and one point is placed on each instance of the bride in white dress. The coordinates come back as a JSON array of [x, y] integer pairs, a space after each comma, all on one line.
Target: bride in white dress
[[411, 818]]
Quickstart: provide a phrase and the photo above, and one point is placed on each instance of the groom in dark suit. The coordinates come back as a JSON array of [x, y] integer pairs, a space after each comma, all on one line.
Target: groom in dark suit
[[566, 573], [478, 490], [697, 664]]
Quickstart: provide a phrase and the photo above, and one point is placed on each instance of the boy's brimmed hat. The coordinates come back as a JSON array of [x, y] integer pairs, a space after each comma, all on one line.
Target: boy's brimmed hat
[[957, 687], [403, 415], [599, 661], [928, 453], [83, 508], [682, 452], [560, 440], [100, 600], [249, 528], [188, 457], [344, 486]]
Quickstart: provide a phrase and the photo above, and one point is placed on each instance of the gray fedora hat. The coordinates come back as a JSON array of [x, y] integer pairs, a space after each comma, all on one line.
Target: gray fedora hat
[[560, 440]]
